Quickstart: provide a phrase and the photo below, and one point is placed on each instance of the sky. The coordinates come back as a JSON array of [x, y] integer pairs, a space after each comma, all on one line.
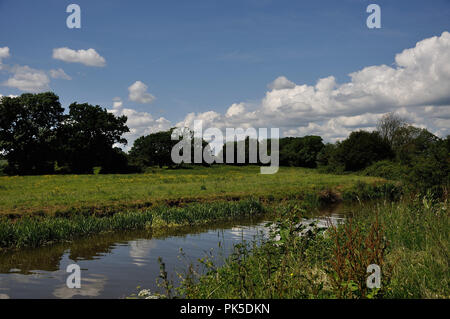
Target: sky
[[306, 67]]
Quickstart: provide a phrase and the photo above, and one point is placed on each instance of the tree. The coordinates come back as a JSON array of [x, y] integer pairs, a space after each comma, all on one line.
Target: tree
[[237, 146], [36, 136], [156, 148], [360, 150], [430, 170], [88, 136], [153, 149], [325, 156], [409, 142], [28, 132], [388, 125], [300, 151]]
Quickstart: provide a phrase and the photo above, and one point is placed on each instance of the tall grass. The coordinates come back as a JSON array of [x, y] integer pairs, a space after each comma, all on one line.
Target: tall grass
[[419, 235], [37, 231], [200, 213], [410, 241]]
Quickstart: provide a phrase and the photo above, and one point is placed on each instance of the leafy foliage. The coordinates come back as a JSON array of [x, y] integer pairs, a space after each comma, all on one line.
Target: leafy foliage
[[293, 151], [28, 132], [155, 149], [87, 139], [36, 136], [300, 151], [360, 150]]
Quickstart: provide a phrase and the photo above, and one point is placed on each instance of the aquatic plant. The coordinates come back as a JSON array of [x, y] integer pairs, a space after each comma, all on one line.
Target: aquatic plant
[[37, 231]]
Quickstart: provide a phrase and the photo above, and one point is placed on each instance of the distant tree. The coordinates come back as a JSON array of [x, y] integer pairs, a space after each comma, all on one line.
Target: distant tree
[[155, 149], [325, 156], [28, 132], [300, 151], [88, 137], [430, 170], [294, 151], [360, 150], [36, 136], [409, 142], [115, 161], [388, 125], [237, 146], [311, 147]]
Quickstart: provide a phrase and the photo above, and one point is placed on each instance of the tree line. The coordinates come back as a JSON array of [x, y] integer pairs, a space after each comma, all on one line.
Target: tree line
[[37, 137]]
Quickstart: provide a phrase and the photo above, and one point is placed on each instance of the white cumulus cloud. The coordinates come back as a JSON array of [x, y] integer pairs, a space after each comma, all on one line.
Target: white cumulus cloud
[[137, 92], [235, 109], [280, 83], [59, 74], [139, 123], [117, 103], [4, 53], [88, 57], [27, 79], [416, 86]]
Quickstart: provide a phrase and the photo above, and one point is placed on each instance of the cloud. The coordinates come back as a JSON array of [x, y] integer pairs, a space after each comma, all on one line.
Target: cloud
[[11, 95], [92, 286], [280, 83], [235, 110], [138, 93], [59, 74], [417, 86], [210, 119], [4, 53], [27, 79], [88, 57], [139, 123], [117, 103]]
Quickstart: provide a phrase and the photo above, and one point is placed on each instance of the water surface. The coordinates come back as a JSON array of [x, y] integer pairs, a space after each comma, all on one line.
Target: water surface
[[113, 265]]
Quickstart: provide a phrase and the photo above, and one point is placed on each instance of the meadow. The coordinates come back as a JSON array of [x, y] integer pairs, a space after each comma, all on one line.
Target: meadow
[[63, 195]]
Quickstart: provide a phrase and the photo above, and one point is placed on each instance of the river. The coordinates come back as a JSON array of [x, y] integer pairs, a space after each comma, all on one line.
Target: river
[[114, 265]]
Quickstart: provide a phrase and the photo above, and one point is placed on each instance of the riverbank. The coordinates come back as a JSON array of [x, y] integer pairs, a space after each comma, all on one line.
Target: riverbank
[[38, 231], [31, 225], [409, 240], [67, 195]]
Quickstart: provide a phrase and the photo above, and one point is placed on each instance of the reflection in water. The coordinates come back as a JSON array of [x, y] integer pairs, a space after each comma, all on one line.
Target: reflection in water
[[91, 287], [114, 264], [140, 250]]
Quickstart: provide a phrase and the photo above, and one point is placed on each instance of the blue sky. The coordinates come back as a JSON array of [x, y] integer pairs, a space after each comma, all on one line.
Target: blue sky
[[200, 56]]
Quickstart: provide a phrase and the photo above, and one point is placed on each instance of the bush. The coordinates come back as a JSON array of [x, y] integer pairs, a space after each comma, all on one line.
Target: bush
[[431, 171], [386, 169], [3, 166], [360, 150], [363, 191]]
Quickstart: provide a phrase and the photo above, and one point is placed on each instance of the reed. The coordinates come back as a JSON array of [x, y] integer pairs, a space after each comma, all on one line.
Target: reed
[[38, 231], [409, 240]]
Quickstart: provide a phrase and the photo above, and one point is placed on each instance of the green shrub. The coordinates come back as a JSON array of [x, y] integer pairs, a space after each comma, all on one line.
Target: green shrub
[[364, 191], [386, 169], [3, 165]]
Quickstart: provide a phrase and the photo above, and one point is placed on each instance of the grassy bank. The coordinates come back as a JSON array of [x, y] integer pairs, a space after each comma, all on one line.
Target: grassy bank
[[409, 240], [65, 195], [37, 231], [37, 210]]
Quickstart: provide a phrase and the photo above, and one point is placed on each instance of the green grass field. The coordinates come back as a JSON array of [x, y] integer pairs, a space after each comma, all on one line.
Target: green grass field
[[51, 194]]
